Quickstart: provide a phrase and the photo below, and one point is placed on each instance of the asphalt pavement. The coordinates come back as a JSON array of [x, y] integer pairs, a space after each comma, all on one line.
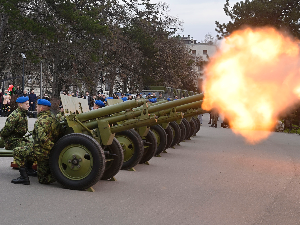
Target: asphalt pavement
[[214, 178]]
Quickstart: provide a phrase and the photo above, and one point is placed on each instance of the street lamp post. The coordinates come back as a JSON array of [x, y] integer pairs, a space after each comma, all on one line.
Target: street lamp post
[[23, 57]]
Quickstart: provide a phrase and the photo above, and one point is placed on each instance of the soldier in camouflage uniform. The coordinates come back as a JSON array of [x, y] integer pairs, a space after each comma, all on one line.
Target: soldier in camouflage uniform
[[46, 132], [60, 116], [214, 115], [16, 125]]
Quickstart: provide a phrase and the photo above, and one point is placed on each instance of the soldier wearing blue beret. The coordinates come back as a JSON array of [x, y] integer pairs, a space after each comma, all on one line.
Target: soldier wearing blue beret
[[153, 100], [98, 104], [46, 132], [16, 126]]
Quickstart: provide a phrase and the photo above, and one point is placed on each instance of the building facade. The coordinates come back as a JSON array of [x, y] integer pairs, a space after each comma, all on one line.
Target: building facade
[[201, 51]]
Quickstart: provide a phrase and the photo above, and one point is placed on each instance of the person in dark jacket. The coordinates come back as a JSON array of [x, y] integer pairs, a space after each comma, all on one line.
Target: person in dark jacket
[[32, 100], [18, 91], [90, 99]]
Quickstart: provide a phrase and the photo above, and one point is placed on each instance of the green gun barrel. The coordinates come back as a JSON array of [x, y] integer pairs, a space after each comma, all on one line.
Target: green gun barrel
[[109, 110], [175, 103], [158, 110]]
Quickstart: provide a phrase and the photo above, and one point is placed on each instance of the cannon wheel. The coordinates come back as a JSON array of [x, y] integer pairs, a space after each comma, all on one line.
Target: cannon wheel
[[150, 147], [187, 128], [183, 131], [161, 138], [133, 147], [77, 161], [113, 160], [197, 123], [193, 128], [169, 133], [176, 133]]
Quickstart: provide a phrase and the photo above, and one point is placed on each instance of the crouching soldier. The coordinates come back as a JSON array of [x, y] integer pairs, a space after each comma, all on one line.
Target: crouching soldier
[[16, 126], [45, 133]]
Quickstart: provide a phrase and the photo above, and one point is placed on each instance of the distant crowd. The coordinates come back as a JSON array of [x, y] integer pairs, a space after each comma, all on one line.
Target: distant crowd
[[92, 99], [9, 96]]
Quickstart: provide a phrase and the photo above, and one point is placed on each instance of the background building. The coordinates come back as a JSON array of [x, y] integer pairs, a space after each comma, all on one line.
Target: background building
[[202, 52]]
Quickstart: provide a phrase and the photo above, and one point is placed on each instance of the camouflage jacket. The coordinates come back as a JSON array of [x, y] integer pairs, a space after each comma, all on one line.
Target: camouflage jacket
[[60, 116], [45, 133], [16, 126]]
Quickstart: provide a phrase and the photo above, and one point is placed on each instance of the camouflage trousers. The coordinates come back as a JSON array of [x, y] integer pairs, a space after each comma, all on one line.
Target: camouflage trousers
[[214, 119], [26, 153], [11, 143]]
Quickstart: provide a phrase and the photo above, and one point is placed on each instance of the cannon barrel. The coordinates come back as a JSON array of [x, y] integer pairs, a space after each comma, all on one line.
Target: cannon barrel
[[133, 114], [110, 110], [114, 119], [193, 105], [175, 103], [194, 113]]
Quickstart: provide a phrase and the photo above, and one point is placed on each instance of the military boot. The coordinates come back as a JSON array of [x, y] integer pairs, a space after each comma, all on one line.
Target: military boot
[[30, 171], [23, 179]]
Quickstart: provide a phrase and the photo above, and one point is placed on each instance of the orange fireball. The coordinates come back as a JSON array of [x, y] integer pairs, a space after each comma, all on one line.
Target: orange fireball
[[253, 79]]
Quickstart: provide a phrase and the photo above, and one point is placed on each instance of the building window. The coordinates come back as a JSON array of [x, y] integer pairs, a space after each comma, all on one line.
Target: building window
[[194, 52], [204, 52]]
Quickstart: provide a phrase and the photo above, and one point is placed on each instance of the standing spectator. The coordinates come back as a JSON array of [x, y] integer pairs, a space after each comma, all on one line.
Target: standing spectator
[[89, 98], [103, 98], [25, 94], [100, 97], [46, 96], [32, 100], [6, 103], [18, 91], [160, 96]]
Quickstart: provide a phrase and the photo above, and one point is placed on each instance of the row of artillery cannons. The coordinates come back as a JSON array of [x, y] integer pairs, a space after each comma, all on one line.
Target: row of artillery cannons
[[97, 144]]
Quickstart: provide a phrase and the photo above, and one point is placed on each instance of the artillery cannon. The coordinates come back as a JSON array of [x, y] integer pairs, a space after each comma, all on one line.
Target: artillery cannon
[[90, 148]]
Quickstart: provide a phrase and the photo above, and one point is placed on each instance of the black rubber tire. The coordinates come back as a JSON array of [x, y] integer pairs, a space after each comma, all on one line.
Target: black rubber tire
[[199, 123], [87, 143], [136, 146], [113, 160], [176, 133], [170, 137], [197, 126], [187, 128], [150, 147], [162, 141], [193, 128], [183, 131]]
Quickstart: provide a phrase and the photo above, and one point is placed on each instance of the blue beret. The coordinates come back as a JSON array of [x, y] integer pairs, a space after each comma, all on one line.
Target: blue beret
[[149, 93], [100, 103], [124, 99], [110, 98], [22, 99], [43, 102], [153, 100]]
